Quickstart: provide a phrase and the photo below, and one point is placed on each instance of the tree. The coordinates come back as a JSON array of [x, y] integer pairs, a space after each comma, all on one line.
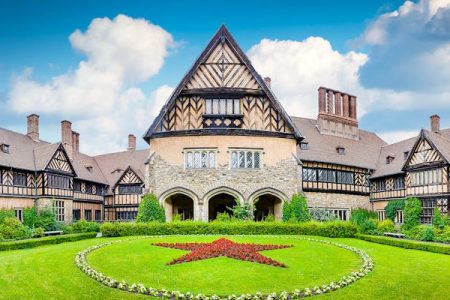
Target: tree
[[150, 210], [244, 212], [296, 210], [411, 214]]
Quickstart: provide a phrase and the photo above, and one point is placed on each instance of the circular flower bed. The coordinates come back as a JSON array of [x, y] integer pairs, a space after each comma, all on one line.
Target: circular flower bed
[[366, 267]]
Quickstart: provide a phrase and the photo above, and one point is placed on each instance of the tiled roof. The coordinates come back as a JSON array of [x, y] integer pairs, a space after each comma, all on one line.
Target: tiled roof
[[361, 153]]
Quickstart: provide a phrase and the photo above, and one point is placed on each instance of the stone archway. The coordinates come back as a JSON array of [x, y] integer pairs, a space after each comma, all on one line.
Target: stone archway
[[180, 201], [218, 201], [268, 202]]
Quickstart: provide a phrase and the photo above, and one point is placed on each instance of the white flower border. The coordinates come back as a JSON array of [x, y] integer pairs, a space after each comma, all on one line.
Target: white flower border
[[367, 266]]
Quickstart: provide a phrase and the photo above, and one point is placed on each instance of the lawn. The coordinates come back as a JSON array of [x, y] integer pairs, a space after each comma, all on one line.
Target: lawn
[[49, 272]]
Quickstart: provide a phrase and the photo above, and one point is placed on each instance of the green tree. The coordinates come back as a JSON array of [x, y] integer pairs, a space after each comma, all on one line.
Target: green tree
[[243, 212], [411, 213], [296, 210], [392, 207], [6, 213], [438, 219], [150, 210]]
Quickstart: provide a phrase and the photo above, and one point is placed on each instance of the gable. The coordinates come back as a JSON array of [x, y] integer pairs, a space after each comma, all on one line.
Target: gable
[[130, 177], [222, 68], [423, 153], [223, 73], [60, 162]]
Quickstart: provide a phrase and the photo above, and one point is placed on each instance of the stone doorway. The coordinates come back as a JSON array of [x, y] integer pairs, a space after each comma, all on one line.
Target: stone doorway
[[179, 204], [266, 205], [220, 204]]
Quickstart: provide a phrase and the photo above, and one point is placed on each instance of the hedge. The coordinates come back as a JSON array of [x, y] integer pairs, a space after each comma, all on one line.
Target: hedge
[[31, 243], [408, 244], [326, 229]]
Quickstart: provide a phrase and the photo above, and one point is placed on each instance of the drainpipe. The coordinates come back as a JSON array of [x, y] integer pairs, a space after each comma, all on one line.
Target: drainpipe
[[35, 183]]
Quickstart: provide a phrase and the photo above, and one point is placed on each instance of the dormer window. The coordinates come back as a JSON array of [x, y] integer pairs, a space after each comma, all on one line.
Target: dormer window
[[304, 145], [340, 150], [4, 148], [405, 155], [223, 106], [389, 159], [118, 170], [89, 168]]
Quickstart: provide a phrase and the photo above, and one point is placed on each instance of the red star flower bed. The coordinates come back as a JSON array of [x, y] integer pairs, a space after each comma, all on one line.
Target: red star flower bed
[[224, 247]]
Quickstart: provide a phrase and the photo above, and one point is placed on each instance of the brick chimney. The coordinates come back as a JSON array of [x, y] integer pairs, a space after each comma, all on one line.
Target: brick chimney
[[435, 120], [131, 142], [268, 82], [337, 113], [33, 127], [66, 137], [75, 141]]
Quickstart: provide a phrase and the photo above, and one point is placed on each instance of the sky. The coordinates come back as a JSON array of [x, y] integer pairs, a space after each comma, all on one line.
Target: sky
[[109, 66]]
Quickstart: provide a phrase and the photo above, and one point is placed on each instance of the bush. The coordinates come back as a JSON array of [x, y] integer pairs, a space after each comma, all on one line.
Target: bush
[[244, 212], [322, 214], [438, 220], [408, 244], [13, 229], [392, 207], [269, 218], [411, 213], [296, 210], [31, 243], [82, 226], [360, 215], [150, 210], [6, 213], [428, 234], [46, 219], [176, 218], [386, 226], [369, 226], [223, 217], [442, 234], [327, 229], [29, 217], [39, 232]]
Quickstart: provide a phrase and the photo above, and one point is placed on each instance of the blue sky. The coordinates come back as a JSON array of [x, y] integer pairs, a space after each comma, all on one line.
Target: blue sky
[[35, 35]]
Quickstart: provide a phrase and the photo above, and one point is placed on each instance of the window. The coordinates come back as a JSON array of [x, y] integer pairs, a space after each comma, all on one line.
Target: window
[[381, 215], [200, 159], [325, 175], [340, 150], [88, 215], [222, 106], [304, 145], [19, 214], [130, 189], [399, 183], [58, 181], [309, 174], [381, 185], [100, 190], [345, 177], [4, 148], [426, 217], [341, 214], [399, 217], [405, 155], [76, 213], [126, 215], [88, 189], [98, 215], [58, 208], [19, 179], [77, 186], [245, 159], [389, 159], [427, 177]]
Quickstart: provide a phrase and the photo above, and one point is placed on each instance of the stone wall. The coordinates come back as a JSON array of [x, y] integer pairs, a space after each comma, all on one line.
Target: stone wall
[[68, 207], [336, 200], [281, 179]]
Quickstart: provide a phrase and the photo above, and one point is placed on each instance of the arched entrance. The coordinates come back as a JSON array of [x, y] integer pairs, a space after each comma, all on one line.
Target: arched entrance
[[266, 205], [220, 203], [179, 204]]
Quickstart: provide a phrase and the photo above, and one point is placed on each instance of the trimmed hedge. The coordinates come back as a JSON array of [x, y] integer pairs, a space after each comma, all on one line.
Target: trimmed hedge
[[327, 229], [31, 243], [408, 244]]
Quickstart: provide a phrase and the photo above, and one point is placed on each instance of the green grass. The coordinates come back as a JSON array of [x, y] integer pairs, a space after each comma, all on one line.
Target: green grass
[[49, 272]]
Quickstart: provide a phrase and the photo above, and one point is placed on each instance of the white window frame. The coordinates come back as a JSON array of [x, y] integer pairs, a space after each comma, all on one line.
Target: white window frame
[[18, 212], [246, 152], [200, 151]]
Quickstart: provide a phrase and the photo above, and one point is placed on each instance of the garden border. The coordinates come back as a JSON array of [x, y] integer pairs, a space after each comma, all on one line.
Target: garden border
[[366, 267], [51, 240]]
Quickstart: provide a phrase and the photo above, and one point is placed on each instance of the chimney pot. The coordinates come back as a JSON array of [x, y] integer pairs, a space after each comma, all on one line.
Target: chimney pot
[[435, 120], [131, 142], [75, 141], [66, 137], [268, 82], [322, 104], [33, 127]]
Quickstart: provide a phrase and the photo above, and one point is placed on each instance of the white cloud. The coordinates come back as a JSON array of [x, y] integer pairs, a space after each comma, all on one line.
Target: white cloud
[[396, 136], [100, 96]]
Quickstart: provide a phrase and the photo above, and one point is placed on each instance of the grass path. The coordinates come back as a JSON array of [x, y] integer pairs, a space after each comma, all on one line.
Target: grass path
[[49, 272]]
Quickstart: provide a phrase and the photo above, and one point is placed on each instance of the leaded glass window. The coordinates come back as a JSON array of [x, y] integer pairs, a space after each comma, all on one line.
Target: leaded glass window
[[245, 159], [200, 159]]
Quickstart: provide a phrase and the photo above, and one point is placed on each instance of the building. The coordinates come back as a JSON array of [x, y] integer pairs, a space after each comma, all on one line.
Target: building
[[223, 137]]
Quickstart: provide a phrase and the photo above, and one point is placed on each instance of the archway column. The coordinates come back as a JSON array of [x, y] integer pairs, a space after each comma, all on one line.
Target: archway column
[[214, 192]]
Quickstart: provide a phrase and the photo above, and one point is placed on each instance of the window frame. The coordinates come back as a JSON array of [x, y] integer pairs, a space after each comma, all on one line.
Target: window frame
[[223, 106], [59, 210], [199, 156], [23, 175], [242, 156]]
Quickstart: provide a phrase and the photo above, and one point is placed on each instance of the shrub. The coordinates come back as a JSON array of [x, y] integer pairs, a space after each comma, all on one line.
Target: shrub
[[31, 243], [223, 217], [269, 218], [408, 244], [360, 215], [386, 226], [369, 226], [438, 220], [176, 218], [82, 226], [46, 219], [392, 207], [322, 214], [13, 229], [6, 213], [296, 210], [428, 234], [39, 232], [244, 212], [327, 229], [411, 213], [442, 234], [150, 210], [30, 217]]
